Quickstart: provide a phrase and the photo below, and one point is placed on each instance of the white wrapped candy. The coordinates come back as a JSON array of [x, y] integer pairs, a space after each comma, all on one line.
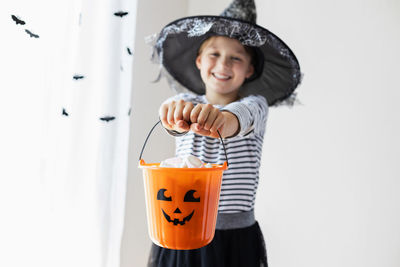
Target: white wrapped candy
[[172, 163], [183, 162], [192, 162]]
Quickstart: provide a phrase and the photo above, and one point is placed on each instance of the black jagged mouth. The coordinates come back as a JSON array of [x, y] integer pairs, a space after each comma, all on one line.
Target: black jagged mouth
[[177, 221]]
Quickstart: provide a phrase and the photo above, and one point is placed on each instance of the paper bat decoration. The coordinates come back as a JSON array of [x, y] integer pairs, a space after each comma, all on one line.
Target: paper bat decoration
[[129, 112], [129, 51], [78, 77], [17, 20], [120, 14], [64, 112], [31, 34], [107, 118]]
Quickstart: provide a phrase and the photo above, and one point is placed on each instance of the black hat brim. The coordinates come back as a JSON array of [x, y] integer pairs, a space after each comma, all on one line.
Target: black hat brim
[[277, 79]]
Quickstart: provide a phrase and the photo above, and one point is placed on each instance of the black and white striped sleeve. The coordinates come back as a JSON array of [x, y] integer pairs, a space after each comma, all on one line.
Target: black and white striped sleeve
[[252, 113]]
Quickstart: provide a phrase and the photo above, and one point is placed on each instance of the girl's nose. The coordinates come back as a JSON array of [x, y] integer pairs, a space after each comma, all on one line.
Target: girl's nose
[[225, 63]]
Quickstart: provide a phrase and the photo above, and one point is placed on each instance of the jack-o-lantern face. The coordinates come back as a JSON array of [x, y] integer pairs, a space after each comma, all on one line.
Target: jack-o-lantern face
[[189, 197]]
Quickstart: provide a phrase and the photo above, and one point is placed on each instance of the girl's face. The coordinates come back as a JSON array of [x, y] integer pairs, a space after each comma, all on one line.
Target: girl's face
[[224, 65]]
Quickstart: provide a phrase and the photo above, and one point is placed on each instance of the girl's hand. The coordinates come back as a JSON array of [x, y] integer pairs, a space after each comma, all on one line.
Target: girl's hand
[[206, 120], [175, 115]]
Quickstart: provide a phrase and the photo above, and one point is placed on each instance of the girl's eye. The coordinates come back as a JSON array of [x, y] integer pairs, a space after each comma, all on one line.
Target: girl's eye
[[236, 59], [214, 54]]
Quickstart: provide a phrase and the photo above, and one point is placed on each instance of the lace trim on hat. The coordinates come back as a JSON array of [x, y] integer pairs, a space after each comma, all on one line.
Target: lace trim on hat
[[246, 33]]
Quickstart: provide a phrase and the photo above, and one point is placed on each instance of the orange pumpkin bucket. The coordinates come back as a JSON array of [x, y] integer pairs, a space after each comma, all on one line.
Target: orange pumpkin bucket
[[181, 203]]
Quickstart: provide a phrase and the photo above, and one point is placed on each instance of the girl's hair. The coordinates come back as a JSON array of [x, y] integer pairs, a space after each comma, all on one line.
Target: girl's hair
[[249, 50]]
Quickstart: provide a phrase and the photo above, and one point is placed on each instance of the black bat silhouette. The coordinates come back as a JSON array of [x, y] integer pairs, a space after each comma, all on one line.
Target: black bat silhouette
[[64, 112], [107, 118], [77, 77], [17, 20], [31, 33], [129, 112], [120, 14], [129, 51]]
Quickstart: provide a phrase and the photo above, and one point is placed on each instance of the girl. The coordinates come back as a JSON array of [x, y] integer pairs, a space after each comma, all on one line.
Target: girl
[[236, 70]]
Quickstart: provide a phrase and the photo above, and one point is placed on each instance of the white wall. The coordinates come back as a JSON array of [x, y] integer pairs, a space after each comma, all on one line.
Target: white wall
[[329, 191], [328, 185]]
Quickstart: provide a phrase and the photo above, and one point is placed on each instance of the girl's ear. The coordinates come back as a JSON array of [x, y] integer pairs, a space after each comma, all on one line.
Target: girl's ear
[[250, 71], [198, 62]]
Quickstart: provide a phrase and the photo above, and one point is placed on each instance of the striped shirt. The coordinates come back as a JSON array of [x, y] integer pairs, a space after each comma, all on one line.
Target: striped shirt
[[240, 180]]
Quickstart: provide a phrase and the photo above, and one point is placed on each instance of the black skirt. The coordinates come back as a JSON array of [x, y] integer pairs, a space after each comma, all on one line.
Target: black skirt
[[244, 247]]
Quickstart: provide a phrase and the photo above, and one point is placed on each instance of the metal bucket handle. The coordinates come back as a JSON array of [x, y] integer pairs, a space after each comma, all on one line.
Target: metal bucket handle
[[148, 135]]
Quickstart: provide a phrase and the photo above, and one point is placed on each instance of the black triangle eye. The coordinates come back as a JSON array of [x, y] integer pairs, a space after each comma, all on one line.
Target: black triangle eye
[[161, 195], [189, 197]]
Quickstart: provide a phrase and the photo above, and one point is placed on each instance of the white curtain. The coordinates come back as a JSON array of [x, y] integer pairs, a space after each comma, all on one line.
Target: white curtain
[[65, 96]]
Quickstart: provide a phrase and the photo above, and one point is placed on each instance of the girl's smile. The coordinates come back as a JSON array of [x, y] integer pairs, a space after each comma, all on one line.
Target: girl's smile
[[221, 76]]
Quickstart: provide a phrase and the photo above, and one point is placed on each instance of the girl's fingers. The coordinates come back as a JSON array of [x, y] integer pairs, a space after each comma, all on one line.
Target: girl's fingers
[[183, 116], [178, 114], [212, 116], [195, 113], [213, 135], [218, 123], [163, 113], [175, 115], [187, 110], [204, 113], [182, 126], [196, 128], [170, 114]]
